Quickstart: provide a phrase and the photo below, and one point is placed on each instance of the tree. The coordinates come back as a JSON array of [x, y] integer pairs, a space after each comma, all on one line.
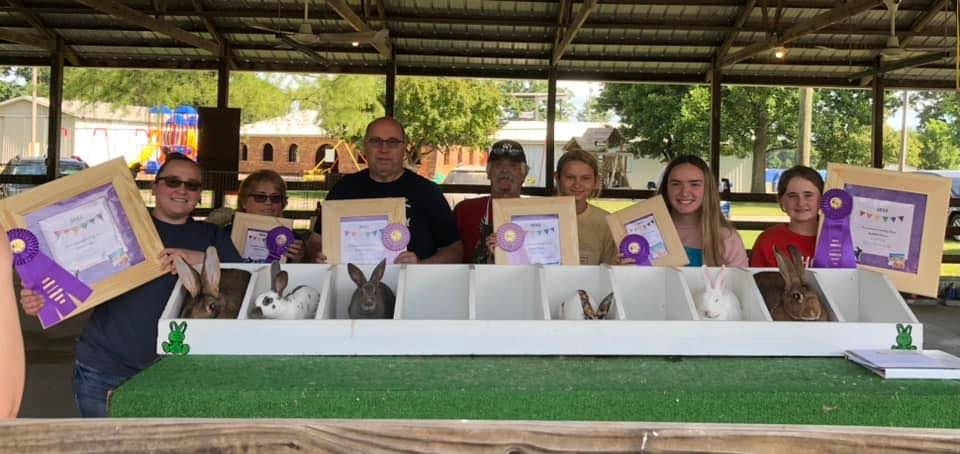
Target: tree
[[15, 81], [891, 147], [514, 105], [257, 98], [442, 112], [841, 127], [592, 113], [938, 149], [346, 103], [758, 120]]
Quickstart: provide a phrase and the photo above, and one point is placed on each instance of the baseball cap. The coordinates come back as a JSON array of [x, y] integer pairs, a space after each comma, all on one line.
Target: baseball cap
[[507, 149]]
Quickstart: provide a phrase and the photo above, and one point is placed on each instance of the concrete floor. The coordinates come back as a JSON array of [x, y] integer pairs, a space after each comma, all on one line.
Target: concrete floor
[[49, 391]]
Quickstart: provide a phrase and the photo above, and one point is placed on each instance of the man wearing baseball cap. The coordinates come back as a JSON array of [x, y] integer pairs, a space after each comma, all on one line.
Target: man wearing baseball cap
[[506, 169]]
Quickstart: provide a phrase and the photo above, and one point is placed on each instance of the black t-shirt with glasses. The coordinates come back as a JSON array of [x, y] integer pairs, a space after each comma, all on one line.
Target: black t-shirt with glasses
[[429, 217]]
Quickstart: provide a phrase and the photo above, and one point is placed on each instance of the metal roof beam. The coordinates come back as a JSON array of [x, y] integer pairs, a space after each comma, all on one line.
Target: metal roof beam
[[135, 17], [585, 9], [867, 76], [924, 20], [737, 24], [34, 20], [27, 39], [815, 23], [344, 10]]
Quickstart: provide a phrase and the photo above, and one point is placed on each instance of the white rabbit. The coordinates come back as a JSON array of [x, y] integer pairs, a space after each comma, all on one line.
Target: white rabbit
[[717, 302], [578, 307], [299, 304]]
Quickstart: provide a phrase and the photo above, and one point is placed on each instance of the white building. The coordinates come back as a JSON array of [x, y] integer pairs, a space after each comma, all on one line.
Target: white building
[[532, 136], [95, 132]]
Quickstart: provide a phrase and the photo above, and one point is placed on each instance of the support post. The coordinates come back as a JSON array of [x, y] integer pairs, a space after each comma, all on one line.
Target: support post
[[806, 125], [716, 97], [877, 122], [223, 77], [390, 91], [551, 119], [903, 130], [54, 110]]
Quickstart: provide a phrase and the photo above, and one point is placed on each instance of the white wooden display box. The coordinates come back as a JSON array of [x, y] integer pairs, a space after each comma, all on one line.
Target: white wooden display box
[[514, 310]]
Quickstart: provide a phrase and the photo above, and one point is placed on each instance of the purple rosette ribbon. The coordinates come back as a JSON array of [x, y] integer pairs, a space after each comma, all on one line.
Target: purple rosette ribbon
[[510, 238], [835, 244], [279, 240], [636, 247], [45, 277], [395, 238]]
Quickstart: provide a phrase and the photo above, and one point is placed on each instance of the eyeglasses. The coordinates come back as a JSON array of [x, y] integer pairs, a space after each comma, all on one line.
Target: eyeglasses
[[390, 144], [274, 198], [174, 183]]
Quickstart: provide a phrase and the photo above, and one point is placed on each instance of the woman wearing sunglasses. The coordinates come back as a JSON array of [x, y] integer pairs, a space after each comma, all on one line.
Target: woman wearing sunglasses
[[120, 339], [265, 193]]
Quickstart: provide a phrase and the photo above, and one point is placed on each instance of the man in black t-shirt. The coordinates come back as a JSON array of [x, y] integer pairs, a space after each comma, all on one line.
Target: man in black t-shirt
[[433, 231]]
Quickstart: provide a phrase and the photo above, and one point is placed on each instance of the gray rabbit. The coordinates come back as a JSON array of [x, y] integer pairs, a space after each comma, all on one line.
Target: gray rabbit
[[212, 293], [371, 299]]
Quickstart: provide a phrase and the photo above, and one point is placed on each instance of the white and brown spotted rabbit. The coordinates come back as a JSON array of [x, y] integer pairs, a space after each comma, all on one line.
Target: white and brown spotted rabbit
[[787, 296]]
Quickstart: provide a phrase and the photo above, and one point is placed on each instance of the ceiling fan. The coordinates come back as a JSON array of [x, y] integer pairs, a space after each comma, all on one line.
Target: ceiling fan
[[305, 35], [893, 48]]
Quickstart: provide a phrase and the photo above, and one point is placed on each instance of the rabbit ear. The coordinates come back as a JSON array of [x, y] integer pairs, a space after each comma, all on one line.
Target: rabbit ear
[[210, 276], [188, 276], [707, 282], [604, 307], [274, 270], [356, 275], [908, 329], [173, 326], [719, 282], [183, 327], [797, 258], [280, 282], [377, 273], [786, 267]]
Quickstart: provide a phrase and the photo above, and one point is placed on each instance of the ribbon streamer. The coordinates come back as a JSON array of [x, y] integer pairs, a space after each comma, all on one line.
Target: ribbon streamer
[[636, 247], [46, 277], [279, 240], [835, 244], [510, 237]]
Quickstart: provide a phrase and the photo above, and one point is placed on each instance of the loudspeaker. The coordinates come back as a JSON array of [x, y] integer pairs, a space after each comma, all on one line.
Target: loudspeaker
[[219, 139]]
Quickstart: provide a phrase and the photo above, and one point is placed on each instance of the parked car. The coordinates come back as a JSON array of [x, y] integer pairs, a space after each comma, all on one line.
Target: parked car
[[467, 175], [35, 166], [953, 213]]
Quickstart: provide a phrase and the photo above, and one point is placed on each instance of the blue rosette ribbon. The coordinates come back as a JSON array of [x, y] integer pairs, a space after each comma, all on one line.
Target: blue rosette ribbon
[[395, 238], [46, 277], [636, 247], [279, 240], [510, 237], [835, 243]]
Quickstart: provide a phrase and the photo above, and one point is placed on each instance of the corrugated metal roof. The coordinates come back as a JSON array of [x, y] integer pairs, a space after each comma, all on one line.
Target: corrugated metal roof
[[619, 40]]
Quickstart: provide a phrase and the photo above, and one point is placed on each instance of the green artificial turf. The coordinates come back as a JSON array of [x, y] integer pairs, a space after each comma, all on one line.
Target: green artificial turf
[[729, 390]]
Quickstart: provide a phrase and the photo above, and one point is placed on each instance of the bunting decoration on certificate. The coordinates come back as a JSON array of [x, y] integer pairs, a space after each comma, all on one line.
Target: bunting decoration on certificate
[[45, 277]]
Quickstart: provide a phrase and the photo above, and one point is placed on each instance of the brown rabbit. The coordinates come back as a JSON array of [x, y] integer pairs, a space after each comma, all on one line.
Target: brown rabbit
[[787, 296], [207, 298]]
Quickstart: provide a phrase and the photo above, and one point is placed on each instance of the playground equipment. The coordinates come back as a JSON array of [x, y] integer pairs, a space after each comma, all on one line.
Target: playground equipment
[[319, 172], [169, 131]]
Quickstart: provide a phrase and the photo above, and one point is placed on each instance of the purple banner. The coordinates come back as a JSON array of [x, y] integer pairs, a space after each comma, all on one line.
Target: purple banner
[[636, 247], [45, 277], [834, 244]]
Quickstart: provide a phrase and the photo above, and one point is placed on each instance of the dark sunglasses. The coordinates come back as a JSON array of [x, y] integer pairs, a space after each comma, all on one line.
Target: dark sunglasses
[[262, 198], [174, 183]]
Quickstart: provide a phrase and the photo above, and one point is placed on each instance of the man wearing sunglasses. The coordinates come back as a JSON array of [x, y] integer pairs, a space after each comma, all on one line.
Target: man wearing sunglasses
[[120, 339], [433, 232], [506, 169]]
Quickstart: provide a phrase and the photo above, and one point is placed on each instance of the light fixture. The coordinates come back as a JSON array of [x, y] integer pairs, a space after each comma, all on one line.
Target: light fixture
[[780, 52], [355, 44]]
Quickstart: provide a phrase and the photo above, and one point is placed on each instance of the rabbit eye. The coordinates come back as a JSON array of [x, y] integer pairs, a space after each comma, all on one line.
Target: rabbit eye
[[797, 296]]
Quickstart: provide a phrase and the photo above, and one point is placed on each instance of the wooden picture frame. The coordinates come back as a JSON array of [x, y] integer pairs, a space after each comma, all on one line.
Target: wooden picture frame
[[245, 222], [666, 249], [108, 193], [878, 197], [332, 213], [563, 207]]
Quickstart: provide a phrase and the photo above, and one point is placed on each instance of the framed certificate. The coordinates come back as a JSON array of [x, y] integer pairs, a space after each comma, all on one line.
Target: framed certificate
[[250, 233], [897, 223], [536, 230], [650, 219], [95, 227], [353, 230]]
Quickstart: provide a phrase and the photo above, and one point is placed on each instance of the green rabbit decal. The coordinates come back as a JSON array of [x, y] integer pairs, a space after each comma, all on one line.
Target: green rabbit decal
[[904, 338], [178, 333]]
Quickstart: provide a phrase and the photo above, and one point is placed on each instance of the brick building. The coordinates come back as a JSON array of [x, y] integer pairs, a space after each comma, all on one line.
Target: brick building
[[293, 144]]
